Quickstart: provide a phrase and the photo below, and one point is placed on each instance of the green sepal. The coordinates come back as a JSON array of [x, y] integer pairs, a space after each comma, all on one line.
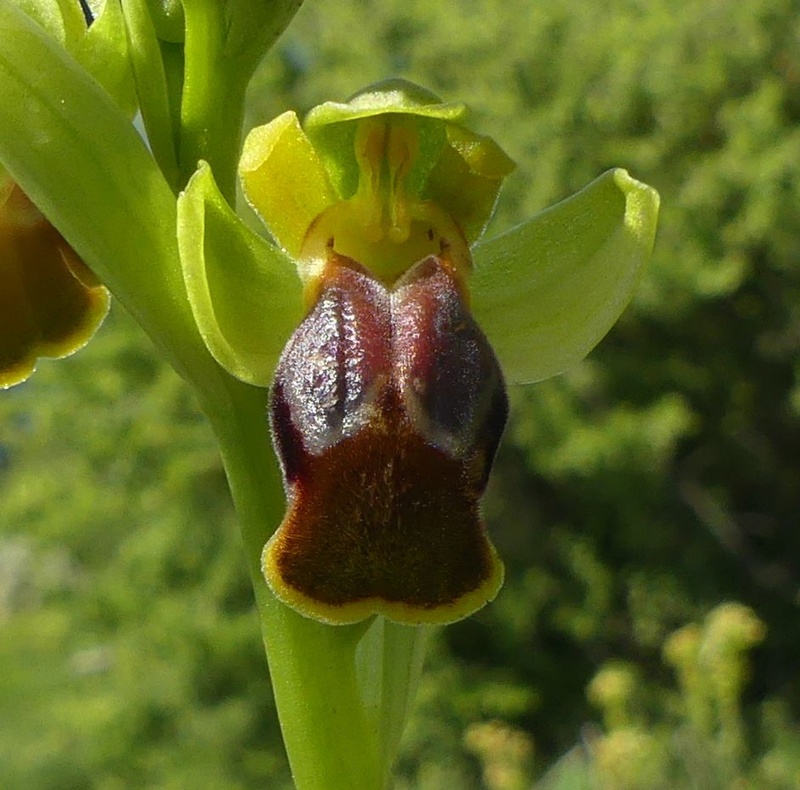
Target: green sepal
[[331, 129], [244, 292], [388, 96], [547, 291]]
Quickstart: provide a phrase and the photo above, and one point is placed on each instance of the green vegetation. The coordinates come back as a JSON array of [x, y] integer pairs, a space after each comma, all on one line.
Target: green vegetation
[[633, 497]]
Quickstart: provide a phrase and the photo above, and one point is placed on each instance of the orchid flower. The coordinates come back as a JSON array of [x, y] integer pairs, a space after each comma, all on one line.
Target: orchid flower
[[377, 327]]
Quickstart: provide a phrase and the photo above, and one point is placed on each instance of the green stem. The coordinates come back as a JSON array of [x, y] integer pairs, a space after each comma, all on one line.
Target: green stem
[[333, 739]]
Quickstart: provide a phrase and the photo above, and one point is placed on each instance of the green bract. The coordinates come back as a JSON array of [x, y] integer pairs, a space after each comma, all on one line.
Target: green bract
[[384, 179]]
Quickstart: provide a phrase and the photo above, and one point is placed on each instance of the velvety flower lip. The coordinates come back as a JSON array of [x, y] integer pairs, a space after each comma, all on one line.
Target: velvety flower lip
[[387, 410], [50, 302]]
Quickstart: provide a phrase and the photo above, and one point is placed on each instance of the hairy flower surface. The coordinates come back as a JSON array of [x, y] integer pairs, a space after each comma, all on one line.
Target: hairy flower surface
[[387, 409]]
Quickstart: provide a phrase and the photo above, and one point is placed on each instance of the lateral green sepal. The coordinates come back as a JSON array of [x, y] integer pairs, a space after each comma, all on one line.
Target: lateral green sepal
[[547, 291], [244, 292]]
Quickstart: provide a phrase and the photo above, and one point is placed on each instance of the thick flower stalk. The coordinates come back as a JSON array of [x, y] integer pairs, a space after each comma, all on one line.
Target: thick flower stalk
[[372, 337]]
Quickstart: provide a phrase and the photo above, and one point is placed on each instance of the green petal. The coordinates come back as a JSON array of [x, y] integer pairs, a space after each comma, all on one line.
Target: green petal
[[547, 291], [284, 180], [244, 292]]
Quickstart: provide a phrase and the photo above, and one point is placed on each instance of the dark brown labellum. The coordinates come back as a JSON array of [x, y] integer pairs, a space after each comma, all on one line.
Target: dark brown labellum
[[387, 409]]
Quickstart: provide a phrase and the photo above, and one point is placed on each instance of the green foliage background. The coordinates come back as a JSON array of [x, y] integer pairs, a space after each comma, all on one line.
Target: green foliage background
[[632, 495]]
